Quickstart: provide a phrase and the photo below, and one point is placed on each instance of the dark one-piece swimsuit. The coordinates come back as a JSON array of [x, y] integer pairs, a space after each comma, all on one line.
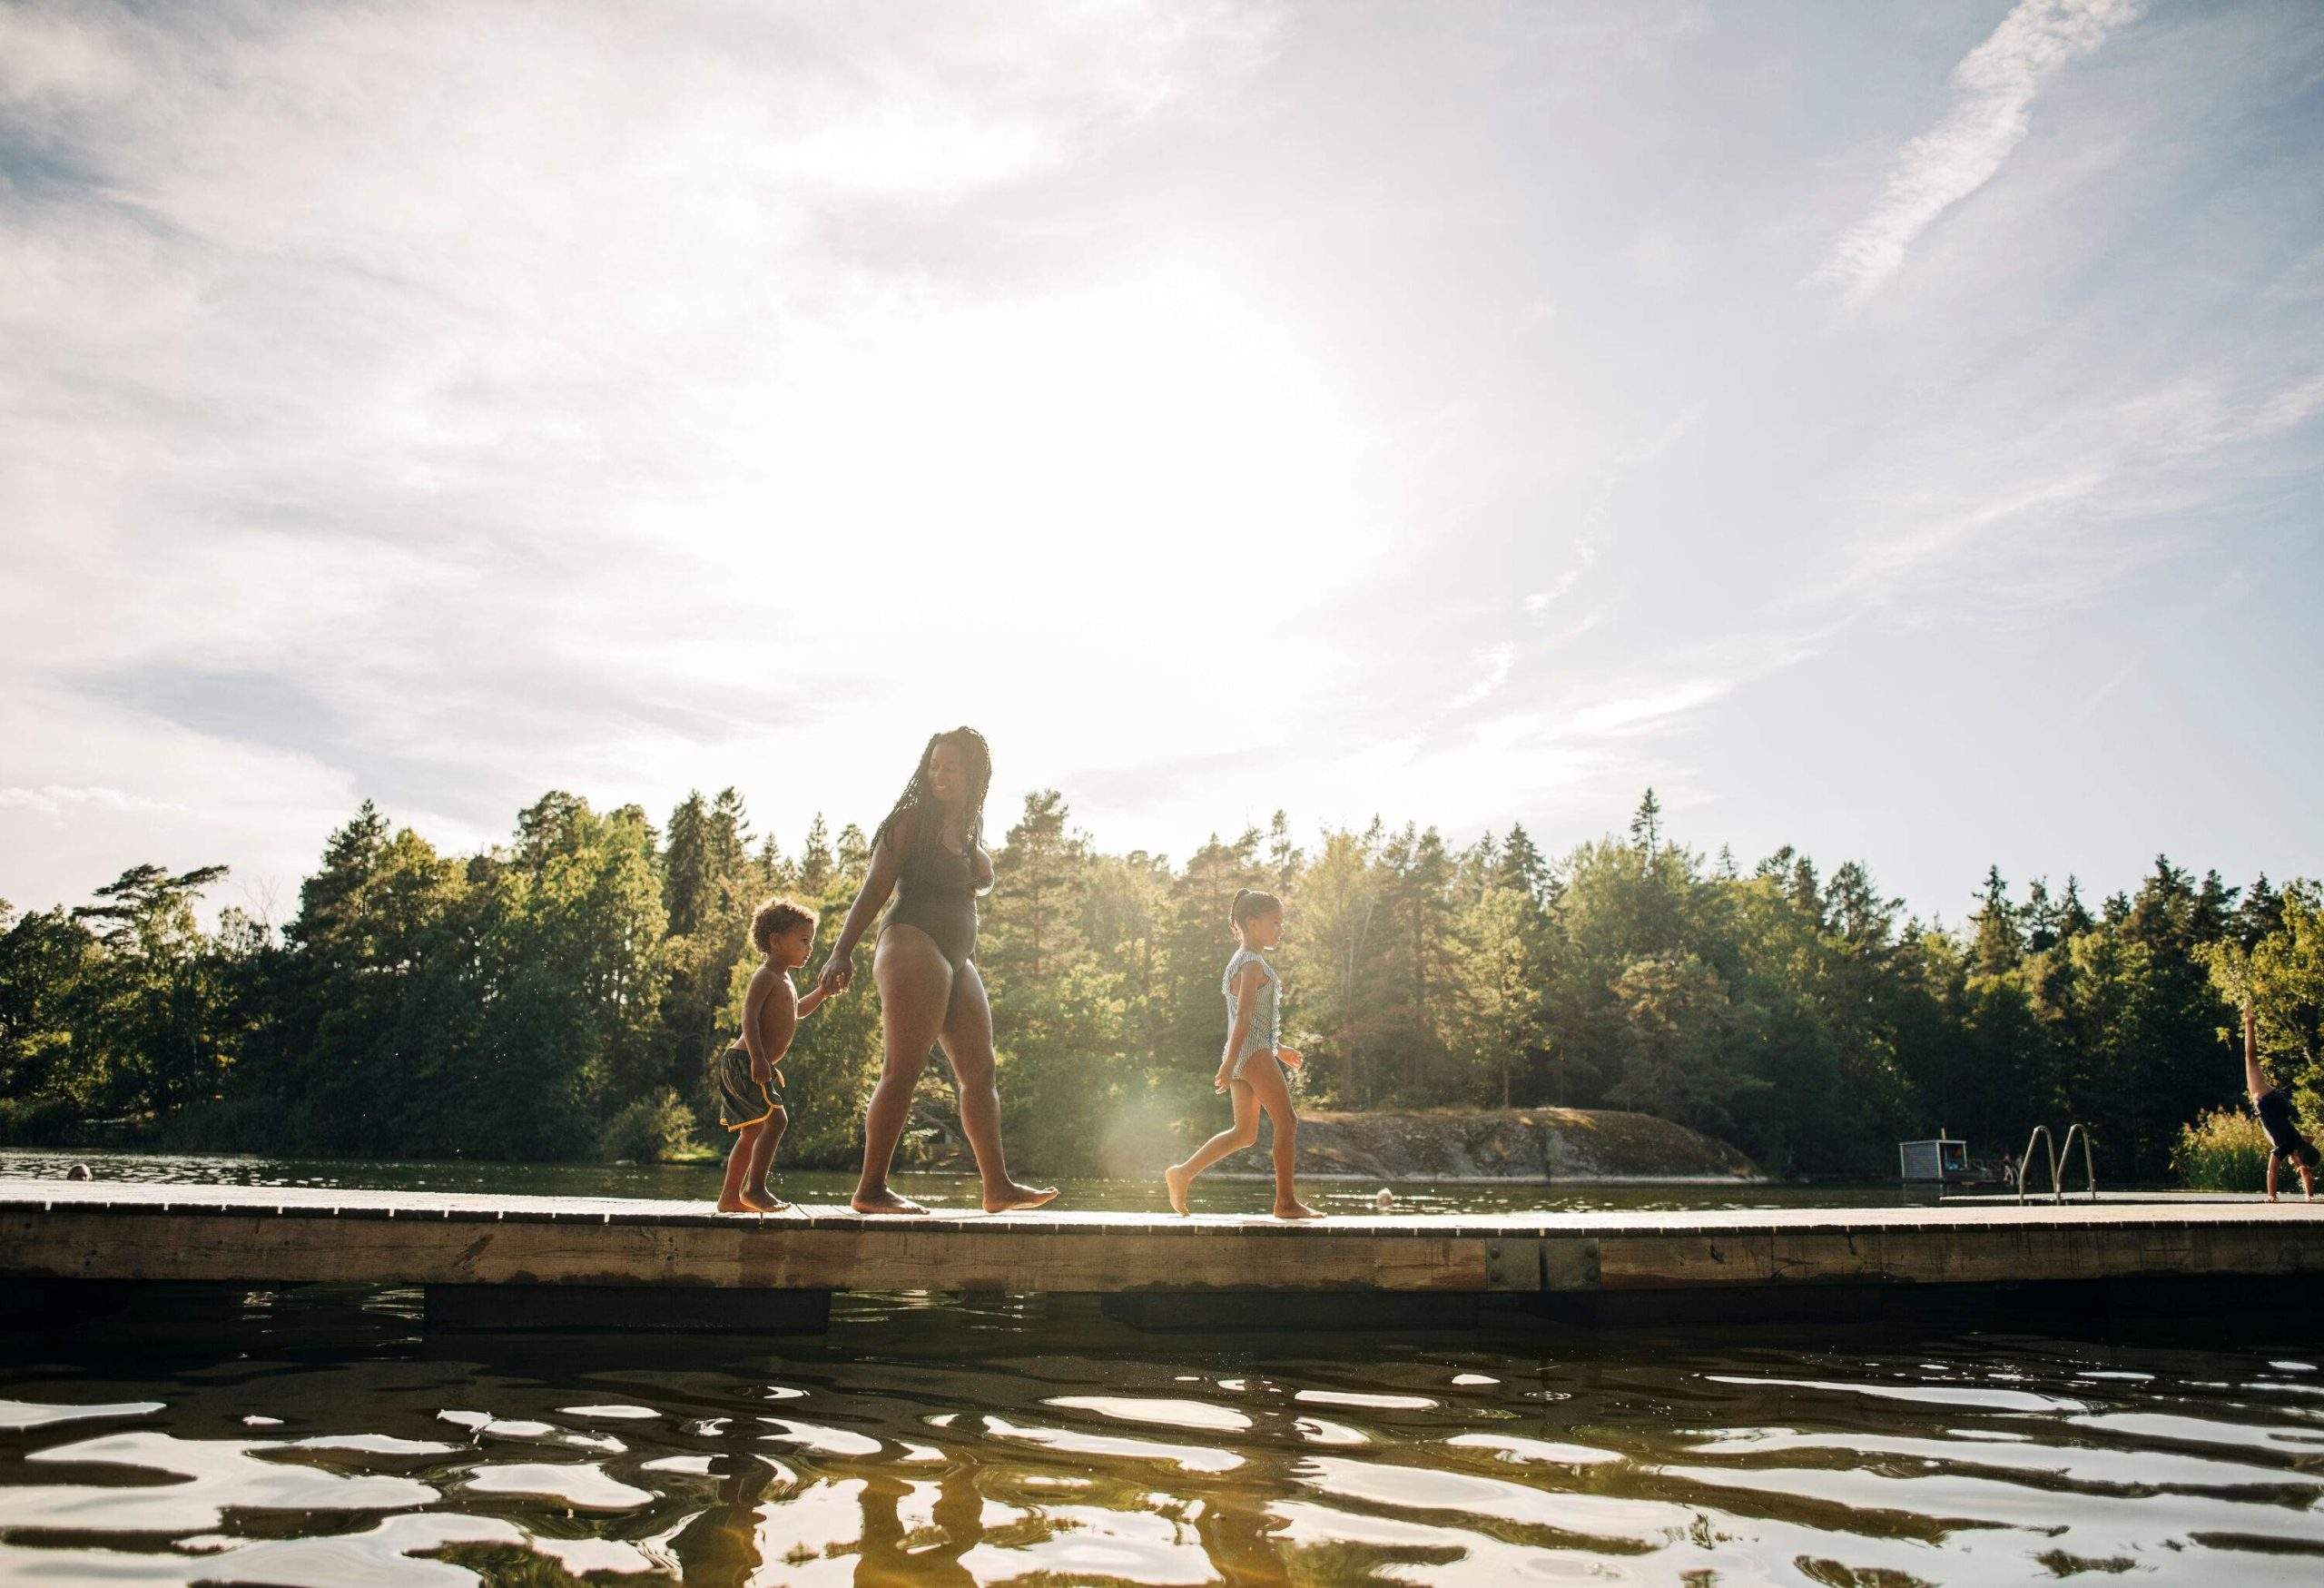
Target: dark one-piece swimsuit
[[936, 890]]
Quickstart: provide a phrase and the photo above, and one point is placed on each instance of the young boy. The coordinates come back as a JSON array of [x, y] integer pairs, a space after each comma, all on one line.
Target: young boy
[[750, 1087], [2273, 1105]]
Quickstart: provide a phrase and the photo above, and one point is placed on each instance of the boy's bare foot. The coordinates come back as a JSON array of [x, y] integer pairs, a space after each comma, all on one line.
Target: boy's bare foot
[[1014, 1198], [884, 1201], [745, 1202], [1175, 1178], [1294, 1209]]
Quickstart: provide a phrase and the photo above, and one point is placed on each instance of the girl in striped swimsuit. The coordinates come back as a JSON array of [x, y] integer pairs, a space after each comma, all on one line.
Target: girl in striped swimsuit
[[1253, 1064]]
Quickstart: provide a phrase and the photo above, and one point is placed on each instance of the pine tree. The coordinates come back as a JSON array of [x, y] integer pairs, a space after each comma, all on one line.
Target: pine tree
[[1997, 943], [1646, 823]]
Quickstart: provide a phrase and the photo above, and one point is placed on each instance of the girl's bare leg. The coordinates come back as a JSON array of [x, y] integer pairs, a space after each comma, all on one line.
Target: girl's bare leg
[[1266, 1084], [1242, 1133], [915, 983], [968, 1045]]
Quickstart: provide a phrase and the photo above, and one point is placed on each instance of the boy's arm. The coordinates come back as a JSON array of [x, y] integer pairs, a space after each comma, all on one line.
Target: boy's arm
[[811, 999], [769, 1016], [779, 1023]]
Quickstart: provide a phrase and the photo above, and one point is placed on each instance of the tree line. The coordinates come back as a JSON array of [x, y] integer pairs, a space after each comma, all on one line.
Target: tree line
[[558, 995]]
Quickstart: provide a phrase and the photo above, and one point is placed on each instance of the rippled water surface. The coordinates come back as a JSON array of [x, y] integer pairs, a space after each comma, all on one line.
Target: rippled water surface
[[317, 1437]]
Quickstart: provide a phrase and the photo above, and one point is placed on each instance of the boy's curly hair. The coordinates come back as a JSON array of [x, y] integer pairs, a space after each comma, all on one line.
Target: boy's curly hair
[[775, 918]]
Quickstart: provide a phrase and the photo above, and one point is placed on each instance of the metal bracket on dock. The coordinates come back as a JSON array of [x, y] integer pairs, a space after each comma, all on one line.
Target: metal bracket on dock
[[1513, 1263]]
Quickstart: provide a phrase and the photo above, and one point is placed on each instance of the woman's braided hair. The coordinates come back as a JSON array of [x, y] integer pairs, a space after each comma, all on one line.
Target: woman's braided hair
[[971, 744]]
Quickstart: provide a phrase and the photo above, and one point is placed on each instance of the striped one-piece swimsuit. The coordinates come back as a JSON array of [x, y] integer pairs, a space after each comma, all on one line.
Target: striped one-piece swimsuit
[[1266, 1010]]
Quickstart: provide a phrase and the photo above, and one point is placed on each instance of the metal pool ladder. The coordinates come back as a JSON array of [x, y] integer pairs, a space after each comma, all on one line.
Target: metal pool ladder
[[2058, 1158]]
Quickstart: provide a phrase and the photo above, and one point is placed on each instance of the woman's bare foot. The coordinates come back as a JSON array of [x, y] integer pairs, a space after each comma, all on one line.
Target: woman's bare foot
[[1014, 1198], [884, 1201], [1295, 1208], [1175, 1178]]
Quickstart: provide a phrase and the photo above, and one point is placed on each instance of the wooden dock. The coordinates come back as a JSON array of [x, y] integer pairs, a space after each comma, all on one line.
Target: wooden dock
[[533, 1258]]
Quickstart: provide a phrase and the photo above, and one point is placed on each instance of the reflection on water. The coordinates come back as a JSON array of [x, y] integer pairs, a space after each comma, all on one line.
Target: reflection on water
[[318, 1436]]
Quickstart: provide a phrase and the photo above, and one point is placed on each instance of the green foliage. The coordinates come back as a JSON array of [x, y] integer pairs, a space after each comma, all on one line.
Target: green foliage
[[659, 1129], [2223, 1149], [561, 994]]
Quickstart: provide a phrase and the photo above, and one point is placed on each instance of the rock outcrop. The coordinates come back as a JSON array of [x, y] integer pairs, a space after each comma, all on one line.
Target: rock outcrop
[[1534, 1144]]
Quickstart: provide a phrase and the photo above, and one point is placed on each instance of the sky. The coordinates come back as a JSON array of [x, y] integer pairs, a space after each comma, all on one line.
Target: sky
[[1895, 431]]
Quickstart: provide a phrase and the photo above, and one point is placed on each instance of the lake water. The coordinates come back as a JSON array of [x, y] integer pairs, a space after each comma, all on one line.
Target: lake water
[[317, 1437]]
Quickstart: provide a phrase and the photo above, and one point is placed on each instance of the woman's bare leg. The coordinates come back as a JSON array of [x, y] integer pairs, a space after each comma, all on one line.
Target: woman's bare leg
[[915, 983], [1266, 1084], [1242, 1133], [967, 1044]]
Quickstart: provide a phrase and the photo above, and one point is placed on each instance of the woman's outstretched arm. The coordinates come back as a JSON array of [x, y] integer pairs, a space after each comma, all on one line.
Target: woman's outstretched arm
[[879, 881]]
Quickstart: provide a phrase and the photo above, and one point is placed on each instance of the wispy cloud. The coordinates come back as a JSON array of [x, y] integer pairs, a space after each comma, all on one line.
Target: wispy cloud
[[1994, 87], [55, 801], [1537, 602], [1492, 663]]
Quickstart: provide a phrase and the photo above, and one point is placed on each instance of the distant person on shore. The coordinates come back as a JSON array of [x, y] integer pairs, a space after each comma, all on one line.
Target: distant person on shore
[[750, 1083], [2272, 1103], [1251, 1068], [928, 854]]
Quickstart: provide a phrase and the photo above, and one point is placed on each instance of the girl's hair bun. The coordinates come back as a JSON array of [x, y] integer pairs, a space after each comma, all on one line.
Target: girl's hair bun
[[1251, 901]]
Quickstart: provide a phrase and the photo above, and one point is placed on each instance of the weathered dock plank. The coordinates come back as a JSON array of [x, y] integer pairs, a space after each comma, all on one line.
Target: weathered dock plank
[[262, 1235]]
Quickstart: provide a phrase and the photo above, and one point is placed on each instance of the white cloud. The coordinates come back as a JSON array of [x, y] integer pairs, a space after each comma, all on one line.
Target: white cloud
[[1994, 87]]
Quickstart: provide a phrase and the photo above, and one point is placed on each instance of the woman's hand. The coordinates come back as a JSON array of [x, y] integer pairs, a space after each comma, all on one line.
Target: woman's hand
[[839, 969]]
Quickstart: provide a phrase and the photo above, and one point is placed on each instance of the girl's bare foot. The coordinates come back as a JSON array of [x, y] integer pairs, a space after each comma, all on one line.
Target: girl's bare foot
[[1013, 1198], [1175, 1178], [884, 1201], [1295, 1208]]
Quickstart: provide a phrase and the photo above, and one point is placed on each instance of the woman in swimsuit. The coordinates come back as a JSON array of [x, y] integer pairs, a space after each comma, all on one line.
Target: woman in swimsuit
[[928, 855]]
